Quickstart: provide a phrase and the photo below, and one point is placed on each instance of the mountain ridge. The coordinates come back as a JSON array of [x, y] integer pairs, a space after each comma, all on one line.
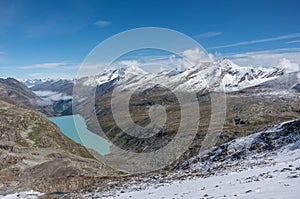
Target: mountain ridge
[[222, 73]]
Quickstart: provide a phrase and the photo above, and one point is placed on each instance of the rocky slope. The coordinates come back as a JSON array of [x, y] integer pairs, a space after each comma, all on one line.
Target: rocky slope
[[243, 167], [247, 111], [17, 91], [36, 155], [14, 89], [252, 161], [48, 102]]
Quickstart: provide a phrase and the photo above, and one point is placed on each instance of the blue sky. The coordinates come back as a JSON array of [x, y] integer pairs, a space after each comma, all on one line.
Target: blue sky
[[51, 38]]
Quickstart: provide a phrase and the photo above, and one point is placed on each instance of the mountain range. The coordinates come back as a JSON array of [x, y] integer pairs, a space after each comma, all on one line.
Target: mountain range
[[264, 90], [256, 98], [223, 73], [219, 76]]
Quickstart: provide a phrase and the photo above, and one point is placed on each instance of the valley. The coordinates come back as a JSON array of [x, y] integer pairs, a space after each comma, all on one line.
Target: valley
[[149, 99], [255, 100]]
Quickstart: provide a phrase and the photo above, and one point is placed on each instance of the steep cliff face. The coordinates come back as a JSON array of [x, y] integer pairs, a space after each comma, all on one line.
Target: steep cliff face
[[36, 155]]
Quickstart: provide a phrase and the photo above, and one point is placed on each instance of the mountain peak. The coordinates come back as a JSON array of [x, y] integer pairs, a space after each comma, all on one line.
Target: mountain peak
[[225, 62]]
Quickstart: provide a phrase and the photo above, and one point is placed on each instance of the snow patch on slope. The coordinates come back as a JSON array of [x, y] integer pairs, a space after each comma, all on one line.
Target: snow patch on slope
[[23, 195]]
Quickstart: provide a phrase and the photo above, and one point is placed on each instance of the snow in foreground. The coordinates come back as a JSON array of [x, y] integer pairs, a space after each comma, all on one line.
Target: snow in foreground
[[24, 194], [280, 180], [261, 165]]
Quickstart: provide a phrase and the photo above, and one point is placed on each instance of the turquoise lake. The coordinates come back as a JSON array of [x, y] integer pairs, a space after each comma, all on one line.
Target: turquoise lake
[[79, 133]]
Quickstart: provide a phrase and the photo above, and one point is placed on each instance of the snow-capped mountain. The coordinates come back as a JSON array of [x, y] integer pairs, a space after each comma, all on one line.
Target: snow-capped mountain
[[112, 75], [217, 76], [33, 82], [59, 86], [222, 75], [235, 77]]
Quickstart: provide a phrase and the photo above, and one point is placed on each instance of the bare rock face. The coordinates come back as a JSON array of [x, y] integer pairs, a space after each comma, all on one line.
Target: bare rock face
[[35, 155]]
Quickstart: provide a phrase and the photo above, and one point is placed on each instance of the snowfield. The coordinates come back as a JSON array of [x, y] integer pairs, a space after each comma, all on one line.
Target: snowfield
[[261, 165], [280, 180], [24, 195]]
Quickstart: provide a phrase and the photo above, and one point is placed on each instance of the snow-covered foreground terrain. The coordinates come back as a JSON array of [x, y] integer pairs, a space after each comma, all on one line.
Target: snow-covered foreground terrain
[[24, 194], [261, 165], [280, 180]]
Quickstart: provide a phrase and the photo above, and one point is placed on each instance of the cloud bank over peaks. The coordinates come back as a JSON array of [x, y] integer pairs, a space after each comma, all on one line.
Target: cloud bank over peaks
[[288, 65], [190, 58]]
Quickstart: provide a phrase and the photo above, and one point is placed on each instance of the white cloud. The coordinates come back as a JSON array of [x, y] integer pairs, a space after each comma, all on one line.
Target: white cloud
[[2, 53], [181, 61], [94, 66], [288, 65], [195, 56], [52, 96], [289, 36], [45, 65], [287, 57], [186, 59], [215, 56], [157, 63], [207, 35], [128, 63], [102, 23], [293, 42]]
